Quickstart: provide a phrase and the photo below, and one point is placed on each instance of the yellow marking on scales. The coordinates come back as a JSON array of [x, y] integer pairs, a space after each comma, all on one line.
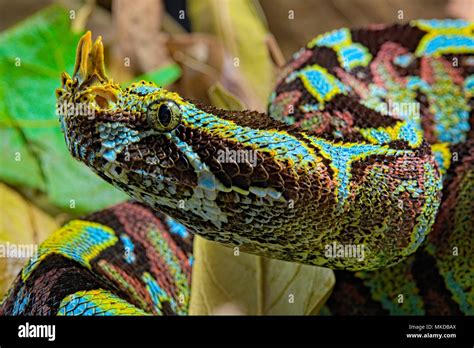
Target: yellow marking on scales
[[78, 240], [443, 156], [445, 37], [277, 143], [322, 85], [403, 130]]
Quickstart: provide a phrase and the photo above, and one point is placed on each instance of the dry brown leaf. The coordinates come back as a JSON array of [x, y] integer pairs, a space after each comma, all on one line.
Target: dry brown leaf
[[462, 9], [82, 16], [224, 283], [275, 51], [238, 25], [222, 98], [137, 33], [20, 223], [171, 25], [100, 23], [295, 23], [204, 62]]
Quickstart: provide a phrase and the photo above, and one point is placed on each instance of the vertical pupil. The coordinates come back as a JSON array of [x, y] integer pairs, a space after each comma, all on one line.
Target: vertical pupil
[[165, 115]]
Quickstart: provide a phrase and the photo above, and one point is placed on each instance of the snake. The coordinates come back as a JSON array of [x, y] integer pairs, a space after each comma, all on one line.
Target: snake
[[367, 145]]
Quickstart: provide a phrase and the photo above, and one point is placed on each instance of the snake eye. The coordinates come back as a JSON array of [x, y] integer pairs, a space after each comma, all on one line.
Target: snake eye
[[164, 115]]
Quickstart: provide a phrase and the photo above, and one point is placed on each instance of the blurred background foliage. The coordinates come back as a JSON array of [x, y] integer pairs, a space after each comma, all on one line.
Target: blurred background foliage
[[221, 52]]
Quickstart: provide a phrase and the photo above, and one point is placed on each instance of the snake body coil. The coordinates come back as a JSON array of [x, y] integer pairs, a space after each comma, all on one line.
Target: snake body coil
[[353, 176], [358, 141]]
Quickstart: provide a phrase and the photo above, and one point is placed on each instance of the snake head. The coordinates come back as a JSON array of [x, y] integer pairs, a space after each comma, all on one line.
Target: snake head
[[133, 137], [244, 179], [86, 96], [104, 125], [166, 151]]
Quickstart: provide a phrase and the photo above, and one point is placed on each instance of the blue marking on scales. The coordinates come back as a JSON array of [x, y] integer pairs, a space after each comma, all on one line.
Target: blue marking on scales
[[129, 247], [143, 89], [176, 228], [442, 23], [349, 54], [322, 85], [286, 147], [342, 155], [442, 43], [157, 294], [404, 60], [469, 85]]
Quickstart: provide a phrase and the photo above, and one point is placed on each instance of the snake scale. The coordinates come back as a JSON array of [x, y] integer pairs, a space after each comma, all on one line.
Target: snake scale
[[368, 141]]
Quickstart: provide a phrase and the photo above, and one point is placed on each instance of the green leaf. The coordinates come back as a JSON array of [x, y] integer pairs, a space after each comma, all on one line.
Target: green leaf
[[162, 77], [32, 56]]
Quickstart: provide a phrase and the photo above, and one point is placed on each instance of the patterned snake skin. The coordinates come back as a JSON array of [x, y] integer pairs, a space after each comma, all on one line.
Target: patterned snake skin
[[367, 130], [125, 260]]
